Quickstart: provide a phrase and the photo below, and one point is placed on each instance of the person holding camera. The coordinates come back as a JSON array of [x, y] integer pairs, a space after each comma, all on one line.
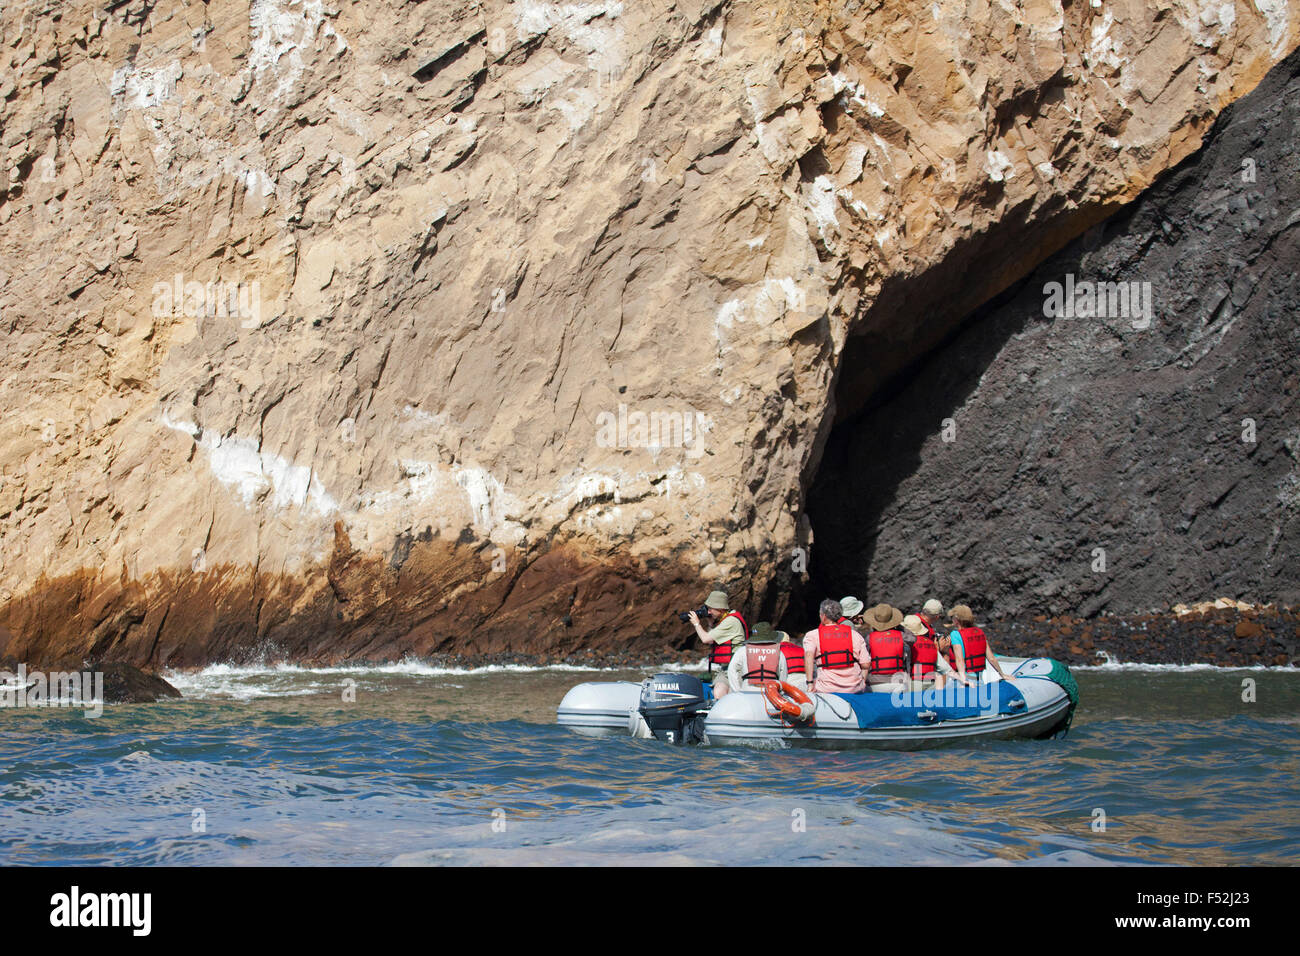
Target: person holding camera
[[927, 665], [728, 632], [851, 608]]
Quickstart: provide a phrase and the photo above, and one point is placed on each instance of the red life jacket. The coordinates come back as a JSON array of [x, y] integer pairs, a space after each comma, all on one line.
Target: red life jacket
[[975, 645], [794, 661], [925, 656], [835, 643], [886, 649], [720, 654], [762, 661], [949, 655]]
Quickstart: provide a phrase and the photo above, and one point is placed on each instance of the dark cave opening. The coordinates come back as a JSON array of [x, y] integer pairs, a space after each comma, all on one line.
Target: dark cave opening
[[1098, 465], [870, 450]]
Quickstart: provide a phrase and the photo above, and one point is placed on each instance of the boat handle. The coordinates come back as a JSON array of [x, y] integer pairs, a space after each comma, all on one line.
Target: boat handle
[[1016, 704], [927, 715]]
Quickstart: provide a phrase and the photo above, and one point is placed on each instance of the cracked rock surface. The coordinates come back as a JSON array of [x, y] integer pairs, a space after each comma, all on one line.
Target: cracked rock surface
[[350, 330]]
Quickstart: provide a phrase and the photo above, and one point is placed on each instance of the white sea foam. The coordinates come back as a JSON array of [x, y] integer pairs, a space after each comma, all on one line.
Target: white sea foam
[[283, 679], [1111, 665]]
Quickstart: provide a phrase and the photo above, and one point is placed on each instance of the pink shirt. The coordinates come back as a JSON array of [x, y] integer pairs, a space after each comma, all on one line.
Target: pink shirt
[[845, 680]]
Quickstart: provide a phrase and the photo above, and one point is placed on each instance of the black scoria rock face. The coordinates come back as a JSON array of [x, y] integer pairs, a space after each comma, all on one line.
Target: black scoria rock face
[[1230, 638], [1092, 463]]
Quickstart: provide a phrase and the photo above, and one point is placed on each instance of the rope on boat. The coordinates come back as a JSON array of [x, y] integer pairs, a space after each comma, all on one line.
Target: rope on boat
[[827, 700]]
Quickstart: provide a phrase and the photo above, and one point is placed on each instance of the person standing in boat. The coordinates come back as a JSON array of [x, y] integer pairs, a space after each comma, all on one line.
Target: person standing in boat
[[970, 646], [728, 632], [835, 655], [886, 645], [758, 660]]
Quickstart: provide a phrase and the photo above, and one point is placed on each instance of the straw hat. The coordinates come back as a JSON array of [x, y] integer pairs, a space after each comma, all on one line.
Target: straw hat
[[962, 615], [718, 601], [882, 617], [915, 625], [851, 606]]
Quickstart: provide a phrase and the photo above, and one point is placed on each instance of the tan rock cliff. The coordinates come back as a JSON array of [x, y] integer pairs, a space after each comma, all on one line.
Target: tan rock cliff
[[359, 329]]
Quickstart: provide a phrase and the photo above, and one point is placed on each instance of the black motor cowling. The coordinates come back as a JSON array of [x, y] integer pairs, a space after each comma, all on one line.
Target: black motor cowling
[[674, 706]]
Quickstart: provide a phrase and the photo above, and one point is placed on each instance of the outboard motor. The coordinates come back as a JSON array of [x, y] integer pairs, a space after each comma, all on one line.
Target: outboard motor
[[674, 707]]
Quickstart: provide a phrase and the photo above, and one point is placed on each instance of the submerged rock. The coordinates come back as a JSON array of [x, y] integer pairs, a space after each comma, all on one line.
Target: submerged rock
[[122, 683], [125, 684]]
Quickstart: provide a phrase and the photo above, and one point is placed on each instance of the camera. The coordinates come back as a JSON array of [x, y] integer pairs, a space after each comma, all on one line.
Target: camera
[[702, 612]]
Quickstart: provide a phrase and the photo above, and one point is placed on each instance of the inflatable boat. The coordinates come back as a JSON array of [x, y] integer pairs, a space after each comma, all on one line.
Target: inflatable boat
[[1037, 701]]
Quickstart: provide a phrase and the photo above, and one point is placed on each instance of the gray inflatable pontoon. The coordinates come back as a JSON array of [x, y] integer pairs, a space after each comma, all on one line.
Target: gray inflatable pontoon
[[1037, 701]]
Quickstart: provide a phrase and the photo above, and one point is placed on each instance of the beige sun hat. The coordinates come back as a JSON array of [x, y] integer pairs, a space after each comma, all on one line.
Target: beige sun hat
[[933, 608], [851, 606], [915, 625], [962, 615], [718, 601], [882, 617]]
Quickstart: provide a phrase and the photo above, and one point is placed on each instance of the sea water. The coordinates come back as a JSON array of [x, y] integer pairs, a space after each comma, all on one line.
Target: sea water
[[414, 764]]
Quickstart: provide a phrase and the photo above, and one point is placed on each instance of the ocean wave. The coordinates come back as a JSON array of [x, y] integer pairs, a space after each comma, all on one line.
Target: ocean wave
[[247, 682], [297, 783], [1113, 664], [681, 829], [286, 679]]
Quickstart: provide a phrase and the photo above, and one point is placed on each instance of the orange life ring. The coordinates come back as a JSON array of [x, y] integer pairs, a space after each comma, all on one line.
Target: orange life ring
[[795, 704]]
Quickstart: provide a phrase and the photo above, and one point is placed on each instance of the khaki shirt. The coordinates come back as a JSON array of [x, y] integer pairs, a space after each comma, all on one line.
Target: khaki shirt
[[729, 631]]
